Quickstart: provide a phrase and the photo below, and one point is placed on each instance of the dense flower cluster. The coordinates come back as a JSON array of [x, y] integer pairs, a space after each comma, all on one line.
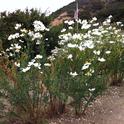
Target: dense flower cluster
[[22, 43], [88, 52]]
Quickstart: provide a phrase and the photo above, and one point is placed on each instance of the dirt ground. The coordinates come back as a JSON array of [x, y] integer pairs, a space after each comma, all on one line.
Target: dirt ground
[[107, 109]]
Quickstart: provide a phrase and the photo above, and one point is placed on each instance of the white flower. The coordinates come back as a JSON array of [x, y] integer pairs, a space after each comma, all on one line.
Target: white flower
[[10, 37], [51, 58], [22, 35], [30, 63], [110, 16], [86, 66], [26, 69], [10, 54], [47, 64], [81, 48], [96, 24], [118, 23], [72, 45], [31, 33], [11, 48], [21, 41], [96, 52], [16, 35], [24, 30], [89, 44], [96, 32], [101, 59], [91, 90], [38, 42], [98, 41], [13, 36], [64, 38], [86, 26], [47, 29], [39, 26], [70, 27], [94, 19], [70, 56], [17, 26], [108, 52], [7, 49], [73, 74], [38, 57], [63, 30], [33, 60], [37, 65], [111, 42], [17, 64], [77, 36], [17, 47], [55, 51], [107, 22], [70, 22], [37, 36]]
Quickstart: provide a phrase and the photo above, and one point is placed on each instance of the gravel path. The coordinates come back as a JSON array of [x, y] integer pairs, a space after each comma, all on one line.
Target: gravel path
[[108, 109]]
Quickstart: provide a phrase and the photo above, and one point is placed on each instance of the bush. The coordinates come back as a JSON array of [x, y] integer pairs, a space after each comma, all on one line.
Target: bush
[[36, 85]]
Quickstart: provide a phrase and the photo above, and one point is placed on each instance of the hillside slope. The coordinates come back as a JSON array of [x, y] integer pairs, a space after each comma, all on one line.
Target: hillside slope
[[90, 8]]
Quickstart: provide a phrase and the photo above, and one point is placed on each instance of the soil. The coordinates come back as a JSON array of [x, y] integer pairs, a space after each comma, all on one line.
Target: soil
[[107, 109]]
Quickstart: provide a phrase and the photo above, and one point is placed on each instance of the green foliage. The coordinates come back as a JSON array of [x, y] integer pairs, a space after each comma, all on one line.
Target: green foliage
[[27, 17], [37, 85]]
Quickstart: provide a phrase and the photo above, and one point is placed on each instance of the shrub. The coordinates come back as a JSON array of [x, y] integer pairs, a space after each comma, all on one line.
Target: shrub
[[79, 68]]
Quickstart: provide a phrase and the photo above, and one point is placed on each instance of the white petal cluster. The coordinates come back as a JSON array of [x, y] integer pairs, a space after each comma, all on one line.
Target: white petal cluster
[[85, 25], [47, 64], [34, 63], [16, 47], [86, 66], [64, 38], [71, 22], [17, 64], [38, 26], [96, 32], [73, 74], [18, 26], [26, 69], [111, 42], [70, 56], [70, 45], [101, 59], [38, 57], [37, 36], [13, 36], [63, 30], [108, 52], [92, 89], [89, 44], [37, 65], [77, 36], [96, 52], [24, 30]]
